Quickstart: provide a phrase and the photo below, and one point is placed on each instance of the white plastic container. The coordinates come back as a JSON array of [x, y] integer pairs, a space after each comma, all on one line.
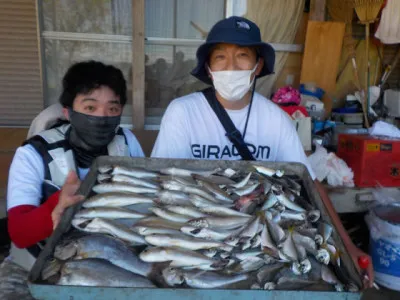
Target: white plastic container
[[385, 245]]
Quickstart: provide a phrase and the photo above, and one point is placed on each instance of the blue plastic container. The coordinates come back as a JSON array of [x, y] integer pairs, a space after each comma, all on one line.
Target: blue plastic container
[[318, 92], [385, 246]]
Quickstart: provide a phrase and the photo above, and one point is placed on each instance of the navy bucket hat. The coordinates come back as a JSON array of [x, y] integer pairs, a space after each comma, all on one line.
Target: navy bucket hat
[[234, 30]]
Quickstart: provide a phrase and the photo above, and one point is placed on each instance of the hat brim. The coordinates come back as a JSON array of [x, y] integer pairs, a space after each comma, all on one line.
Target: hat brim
[[266, 51]]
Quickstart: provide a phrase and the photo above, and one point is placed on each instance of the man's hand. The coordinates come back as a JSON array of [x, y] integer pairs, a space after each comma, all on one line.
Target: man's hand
[[67, 197]]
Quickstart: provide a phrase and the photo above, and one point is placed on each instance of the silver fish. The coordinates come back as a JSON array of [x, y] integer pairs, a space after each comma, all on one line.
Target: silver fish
[[287, 203], [185, 242], [91, 272], [325, 230], [122, 187], [228, 172], [288, 249], [177, 179], [219, 222], [147, 230], [216, 191], [172, 198], [210, 280], [232, 241], [206, 233], [51, 268], [116, 199], [193, 190], [246, 244], [293, 283], [256, 241], [201, 202], [181, 258], [158, 222], [111, 227], [269, 286], [243, 182], [277, 233], [267, 186], [328, 276], [271, 201], [134, 172], [246, 189], [105, 169], [185, 210], [215, 179], [293, 215], [268, 172], [168, 215], [251, 229], [103, 178], [255, 286], [184, 172], [102, 246], [109, 213], [247, 265], [172, 276], [220, 210], [210, 252], [313, 215], [133, 180], [247, 254], [268, 273]]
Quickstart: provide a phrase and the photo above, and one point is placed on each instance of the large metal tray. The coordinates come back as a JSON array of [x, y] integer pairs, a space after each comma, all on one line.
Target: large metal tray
[[46, 291]]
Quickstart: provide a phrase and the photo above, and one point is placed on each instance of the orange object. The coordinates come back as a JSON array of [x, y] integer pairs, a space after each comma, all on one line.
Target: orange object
[[374, 161]]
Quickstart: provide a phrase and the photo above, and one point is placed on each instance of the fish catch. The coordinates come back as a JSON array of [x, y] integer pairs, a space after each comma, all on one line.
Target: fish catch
[[220, 228]]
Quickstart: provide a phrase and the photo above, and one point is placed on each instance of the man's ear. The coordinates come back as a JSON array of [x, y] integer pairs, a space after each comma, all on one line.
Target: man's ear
[[65, 113], [208, 71], [259, 66]]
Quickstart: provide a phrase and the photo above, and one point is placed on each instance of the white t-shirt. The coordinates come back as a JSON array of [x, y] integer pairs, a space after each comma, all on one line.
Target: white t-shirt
[[27, 173], [191, 129]]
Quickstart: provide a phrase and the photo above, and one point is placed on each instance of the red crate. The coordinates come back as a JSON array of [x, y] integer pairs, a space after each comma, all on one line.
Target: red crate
[[374, 160]]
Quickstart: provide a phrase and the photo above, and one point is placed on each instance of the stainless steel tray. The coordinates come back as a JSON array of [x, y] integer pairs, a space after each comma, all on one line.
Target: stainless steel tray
[[47, 291]]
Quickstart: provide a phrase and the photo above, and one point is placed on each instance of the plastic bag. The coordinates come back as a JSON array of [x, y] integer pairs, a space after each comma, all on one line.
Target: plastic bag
[[329, 166], [381, 128]]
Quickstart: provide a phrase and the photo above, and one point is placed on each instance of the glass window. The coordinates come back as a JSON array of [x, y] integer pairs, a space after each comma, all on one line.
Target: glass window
[[182, 25], [77, 30]]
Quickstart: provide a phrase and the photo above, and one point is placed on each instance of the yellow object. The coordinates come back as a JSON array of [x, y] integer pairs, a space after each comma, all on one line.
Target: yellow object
[[372, 147]]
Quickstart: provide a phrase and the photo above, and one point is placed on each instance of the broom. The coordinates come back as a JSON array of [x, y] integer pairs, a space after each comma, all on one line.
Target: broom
[[342, 11], [367, 11]]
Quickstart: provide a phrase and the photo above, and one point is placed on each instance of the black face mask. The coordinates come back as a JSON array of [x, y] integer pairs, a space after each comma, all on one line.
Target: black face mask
[[90, 135]]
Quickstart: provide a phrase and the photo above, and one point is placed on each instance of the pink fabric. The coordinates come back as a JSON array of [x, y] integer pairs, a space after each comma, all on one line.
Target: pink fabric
[[287, 95]]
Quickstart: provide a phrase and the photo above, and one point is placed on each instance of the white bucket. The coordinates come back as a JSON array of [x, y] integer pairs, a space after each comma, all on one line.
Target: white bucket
[[384, 246]]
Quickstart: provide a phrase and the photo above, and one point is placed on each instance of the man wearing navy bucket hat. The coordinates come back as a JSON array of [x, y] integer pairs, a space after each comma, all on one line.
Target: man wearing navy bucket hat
[[229, 120]]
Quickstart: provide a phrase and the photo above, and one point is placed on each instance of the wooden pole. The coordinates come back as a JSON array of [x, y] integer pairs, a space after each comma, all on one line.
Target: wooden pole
[[317, 10], [138, 62]]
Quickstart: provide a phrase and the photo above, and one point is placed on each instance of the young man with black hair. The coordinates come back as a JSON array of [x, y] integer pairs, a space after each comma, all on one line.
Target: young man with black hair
[[46, 171]]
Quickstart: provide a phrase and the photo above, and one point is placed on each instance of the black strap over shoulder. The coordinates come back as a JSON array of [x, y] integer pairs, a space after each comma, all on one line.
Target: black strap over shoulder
[[232, 133]]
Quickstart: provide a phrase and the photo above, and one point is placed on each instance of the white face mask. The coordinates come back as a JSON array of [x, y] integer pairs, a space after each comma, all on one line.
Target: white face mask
[[233, 85]]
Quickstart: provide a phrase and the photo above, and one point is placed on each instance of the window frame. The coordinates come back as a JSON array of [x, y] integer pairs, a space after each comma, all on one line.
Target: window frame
[[139, 40]]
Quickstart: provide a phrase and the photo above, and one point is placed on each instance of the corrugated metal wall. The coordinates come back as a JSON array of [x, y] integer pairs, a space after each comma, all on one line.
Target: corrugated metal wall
[[20, 83]]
